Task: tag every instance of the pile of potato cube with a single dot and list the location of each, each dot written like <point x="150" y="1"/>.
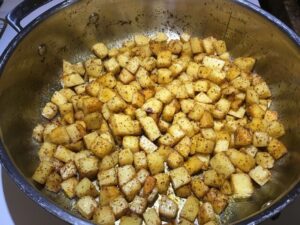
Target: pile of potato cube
<point x="156" y="121"/>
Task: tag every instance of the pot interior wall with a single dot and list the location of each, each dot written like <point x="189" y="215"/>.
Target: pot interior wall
<point x="31" y="74"/>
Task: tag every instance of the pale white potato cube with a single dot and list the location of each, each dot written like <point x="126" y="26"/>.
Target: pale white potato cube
<point x="179" y="177"/>
<point x="125" y="174"/>
<point x="151" y="129"/>
<point x="58" y="99"/>
<point x="100" y="50"/>
<point x="167" y="207"/>
<point x="260" y="139"/>
<point x="119" y="206"/>
<point x="141" y="40"/>
<point x="241" y="185"/>
<point x="140" y="160"/>
<point x="260" y="175"/>
<point x="147" y="145"/>
<point x="68" y="170"/>
<point x="138" y="205"/>
<point x="131" y="189"/>
<point x="142" y="174"/>
<point x="49" y="111"/>
<point x="213" y="63"/>
<point x="222" y="145"/>
<point x="86" y="206"/>
<point x="37" y="133"/>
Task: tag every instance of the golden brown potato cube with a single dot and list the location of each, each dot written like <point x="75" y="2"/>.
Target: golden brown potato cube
<point x="190" y="209"/>
<point x="181" y="92"/>
<point x="131" y="189"/>
<point x="143" y="78"/>
<point x="101" y="147"/>
<point x="164" y="151"/>
<point x="206" y="120"/>
<point x="179" y="177"/>
<point x="206" y="213"/>
<point x="138" y="99"/>
<point x="125" y="157"/>
<point x="245" y="64"/>
<point x="107" y="194"/>
<point x="44" y="169"/>
<point x="149" y="185"/>
<point x="176" y="131"/>
<point x="104" y="216"/>
<point x="162" y="182"/>
<point x="116" y="104"/>
<point x="68" y="170"/>
<point x="123" y="59"/>
<point x="251" y="96"/>
<point x="91" y="104"/>
<point x="147" y="145"/>
<point x="242" y="137"/>
<point x="131" y="220"/>
<point x="106" y="94"/>
<point x="142" y="174"/>
<point x="176" y="69"/>
<point x="89" y="139"/>
<point x="140" y="39"/>
<point x="175" y="46"/>
<point x="73" y="68"/>
<point x="199" y="188"/>
<point x="126" y="91"/>
<point x="94" y="67"/>
<point x="218" y="200"/>
<point x="262" y="90"/>
<point x="149" y="63"/>
<point x="169" y="112"/>
<point x="265" y="160"/>
<point x="131" y="142"/>
<point x="119" y="206"/>
<point x="204" y="72"/>
<point x="49" y="111"/>
<point x="167" y="139"/>
<point x="88" y="166"/>
<point x="164" y="95"/>
<point x="86" y="188"/>
<point x="213" y="63"/>
<point x="164" y="76"/>
<point x="58" y="135"/>
<point x="125" y="174"/>
<point x="276" y="149"/>
<point x="186" y="49"/>
<point x="213" y="179"/>
<point x="138" y="205"/>
<point x="193" y="165"/>
<point x="241" y="160"/>
<point x="69" y="186"/>
<point x="164" y="58"/>
<point x="255" y="111"/>
<point x="150" y="128"/>
<point x="108" y="177"/>
<point x="126" y="77"/>
<point x="151" y="217"/>
<point x="222" y="145"/>
<point x="71" y="80"/>
<point x="214" y="92"/>
<point x="222" y="164"/>
<point x="260" y="175"/>
<point x="58" y="98"/>
<point x="183" y="147"/>
<point x="155" y="163"/>
<point x="275" y="129"/>
<point x="192" y="70"/>
<point x="75" y="132"/>
<point x="53" y="182"/>
<point x="167" y="208"/>
<point x="175" y="160"/>
<point x="220" y="47"/>
<point x="123" y="125"/>
<point x="112" y="66"/>
<point x="196" y="45"/>
<point x="86" y="206"/>
<point x="241" y="185"/>
<point x="100" y="50"/>
<point x="187" y="105"/>
<point x="46" y="151"/>
<point x="93" y="121"/>
<point x="202" y="145"/>
<point x="201" y="86"/>
<point x="183" y="191"/>
<point x="197" y="112"/>
<point x="186" y="125"/>
<point x="260" y="139"/>
<point x="140" y="160"/>
<point x="63" y="154"/>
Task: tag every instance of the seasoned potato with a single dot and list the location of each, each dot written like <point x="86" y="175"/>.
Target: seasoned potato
<point x="222" y="165"/>
<point x="167" y="207"/>
<point x="162" y="182"/>
<point x="241" y="185"/>
<point x="85" y="188"/>
<point x="86" y="206"/>
<point x="276" y="148"/>
<point x="69" y="187"/>
<point x="53" y="182"/>
<point x="119" y="206"/>
<point x="151" y="217"/>
<point x="131" y="189"/>
<point x="179" y="177"/>
<point x="206" y="213"/>
<point x="190" y="209"/>
<point x="199" y="188"/>
<point x="131" y="220"/>
<point x="260" y="175"/>
<point x="241" y="160"/>
<point x="104" y="216"/>
<point x="107" y="194"/>
<point x="155" y="163"/>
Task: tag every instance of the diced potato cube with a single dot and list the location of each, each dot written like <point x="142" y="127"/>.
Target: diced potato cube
<point x="104" y="216"/>
<point x="143" y="78"/>
<point x="164" y="76"/>
<point x="206" y="120"/>
<point x="164" y="58"/>
<point x="89" y="139"/>
<point x="276" y="149"/>
<point x="147" y="145"/>
<point x="75" y="132"/>
<point x="71" y="80"/>
<point x="101" y="147"/>
<point x="119" y="206"/>
<point x="94" y="67"/>
<point x="260" y="175"/>
<point x="46" y="151"/>
<point x="179" y="177"/>
<point x="53" y="182"/>
<point x="251" y="96"/>
<point x="196" y="45"/>
<point x="86" y="188"/>
<point x="199" y="188"/>
<point x="93" y="121"/>
<point x="58" y="135"/>
<point x="190" y="209"/>
<point x="183" y="147"/>
<point x="241" y="160"/>
<point x="131" y="220"/>
<point x="206" y="213"/>
<point x="131" y="189"/>
<point x="37" y="133"/>
<point x="260" y="139"/>
<point x="123" y="125"/>
<point x="112" y="66"/>
<point x="186" y="125"/>
<point x="86" y="206"/>
<point x="49" y="111"/>
<point x="175" y="160"/>
<point x="213" y="63"/>
<point x="100" y="50"/>
<point x="131" y="142"/>
<point x="167" y="208"/>
<point x="241" y="185"/>
<point x="245" y="63"/>
<point x="193" y="165"/>
<point x="218" y="200"/>
<point x="116" y="104"/>
<point x="138" y="99"/>
<point x="163" y="182"/>
<point x="151" y="217"/>
<point x="125" y="157"/>
<point x="222" y="165"/>
<point x="69" y="186"/>
<point x="44" y="169"/>
<point x="150" y="128"/>
<point x="265" y="160"/>
<point x="68" y="170"/>
<point x="276" y="129"/>
<point x="63" y="154"/>
<point x="202" y="145"/>
<point x="107" y="162"/>
<point x="107" y="194"/>
<point x="213" y="179"/>
<point x="242" y="137"/>
<point x="142" y="174"/>
<point x="108" y="177"/>
<point x="220" y="47"/>
<point x="222" y="145"/>
<point x="164" y="95"/>
<point x="91" y="104"/>
<point x="141" y="39"/>
<point x="138" y="205"/>
<point x="155" y="163"/>
<point x="262" y="90"/>
<point x="125" y="174"/>
<point x="140" y="160"/>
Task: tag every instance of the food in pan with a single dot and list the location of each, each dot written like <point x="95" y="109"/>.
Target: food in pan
<point x="137" y="129"/>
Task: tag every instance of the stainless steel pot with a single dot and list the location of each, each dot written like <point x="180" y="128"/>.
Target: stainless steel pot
<point x="30" y="67"/>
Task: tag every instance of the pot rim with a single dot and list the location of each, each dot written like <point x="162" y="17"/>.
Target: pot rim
<point x="67" y="216"/>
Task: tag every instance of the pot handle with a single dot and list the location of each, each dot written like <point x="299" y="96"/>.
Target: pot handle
<point x="22" y="10"/>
